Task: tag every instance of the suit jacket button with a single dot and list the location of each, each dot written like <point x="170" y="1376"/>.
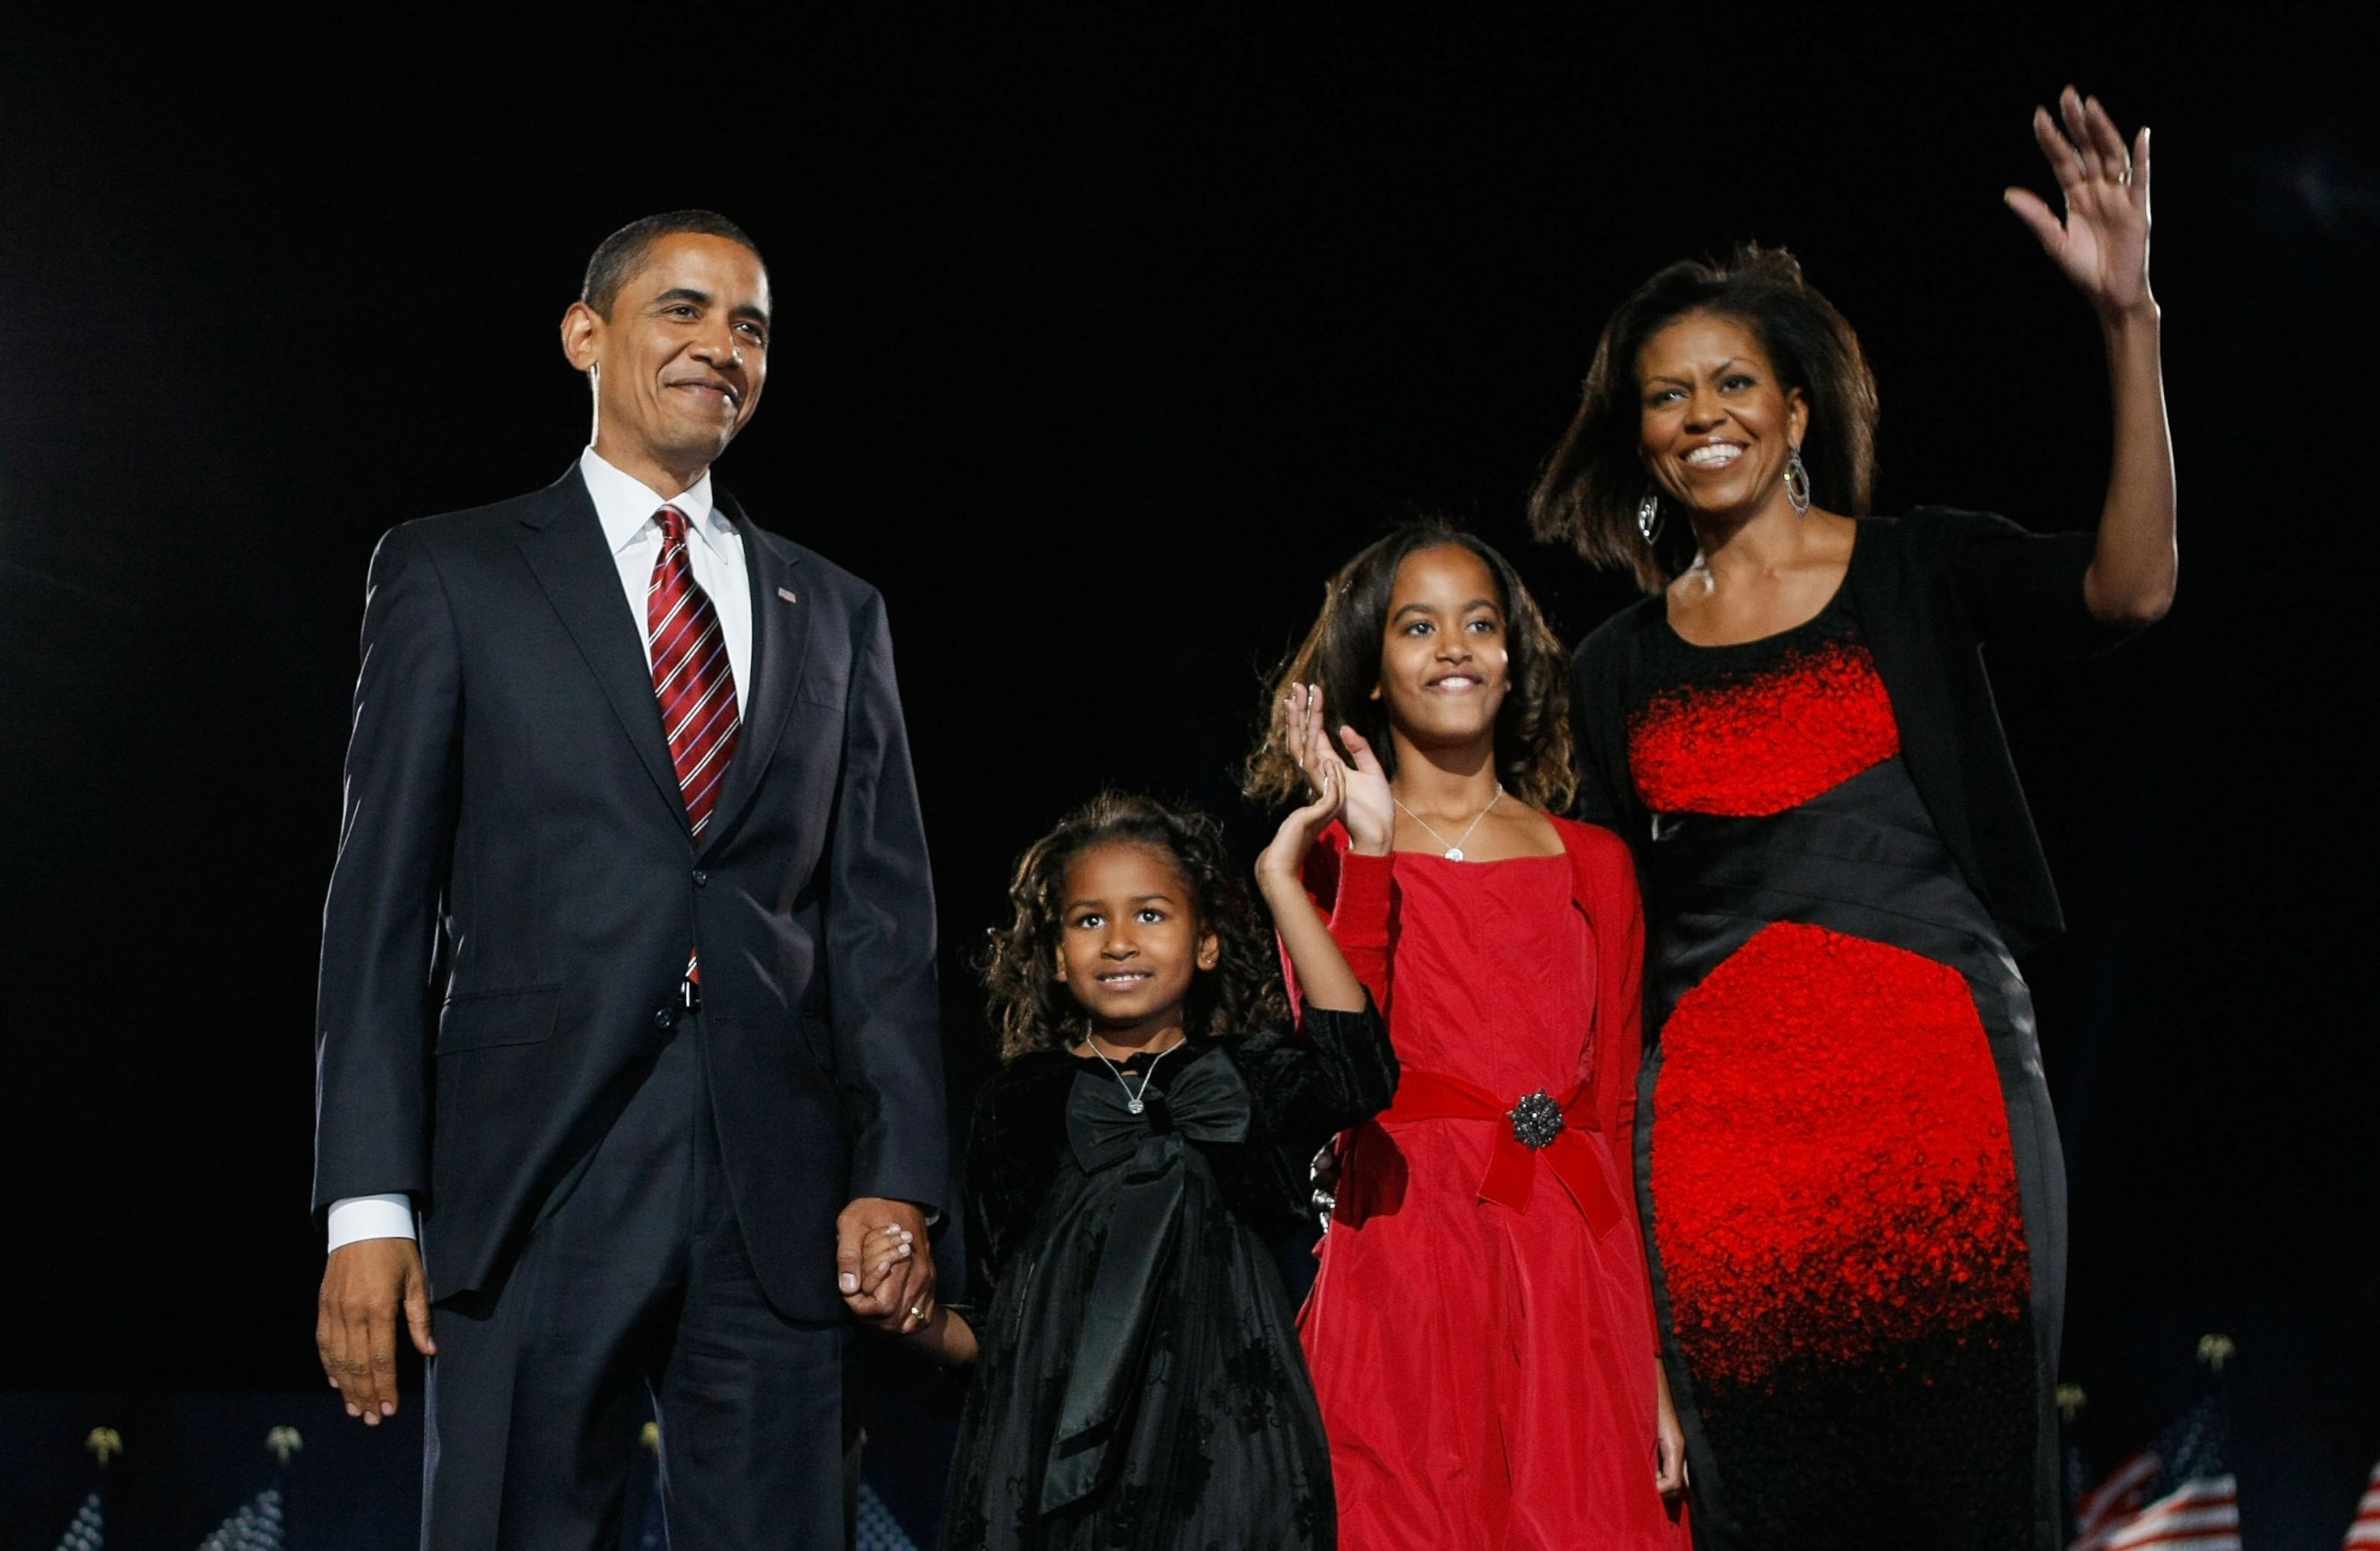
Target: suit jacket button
<point x="700" y="878"/>
<point x="665" y="1019"/>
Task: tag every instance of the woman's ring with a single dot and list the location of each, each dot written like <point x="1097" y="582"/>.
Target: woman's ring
<point x="917" y="1311"/>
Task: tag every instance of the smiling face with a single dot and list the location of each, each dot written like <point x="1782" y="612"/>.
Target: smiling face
<point x="1444" y="666"/>
<point x="679" y="364"/>
<point x="1129" y="941"/>
<point x="1716" y="427"/>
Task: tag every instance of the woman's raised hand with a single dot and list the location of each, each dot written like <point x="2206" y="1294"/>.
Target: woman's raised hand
<point x="1365" y="807"/>
<point x="2103" y="244"/>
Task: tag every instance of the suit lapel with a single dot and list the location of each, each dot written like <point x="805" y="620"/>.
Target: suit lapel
<point x="564" y="549"/>
<point x="780" y="641"/>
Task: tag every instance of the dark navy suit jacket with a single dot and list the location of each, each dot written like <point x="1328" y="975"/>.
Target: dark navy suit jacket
<point x="517" y="889"/>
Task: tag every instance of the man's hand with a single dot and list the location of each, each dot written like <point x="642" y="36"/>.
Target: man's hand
<point x="364" y="1285"/>
<point x="901" y="1298"/>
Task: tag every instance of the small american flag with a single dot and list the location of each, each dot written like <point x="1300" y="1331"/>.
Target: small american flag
<point x="2177" y="1494"/>
<point x="2365" y="1531"/>
<point x="255" y="1526"/>
<point x="89" y="1531"/>
<point x="879" y="1530"/>
<point x="2114" y="1500"/>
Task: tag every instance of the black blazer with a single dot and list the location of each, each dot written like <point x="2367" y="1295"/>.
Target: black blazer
<point x="518" y="888"/>
<point x="1931" y="590"/>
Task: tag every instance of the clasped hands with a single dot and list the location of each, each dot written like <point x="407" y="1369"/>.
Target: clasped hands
<point x="371" y="1285"/>
<point x="884" y="1265"/>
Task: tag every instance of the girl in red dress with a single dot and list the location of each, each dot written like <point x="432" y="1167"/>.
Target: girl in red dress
<point x="1480" y="1330"/>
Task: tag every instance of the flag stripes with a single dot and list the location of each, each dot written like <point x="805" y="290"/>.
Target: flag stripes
<point x="2108" y="1505"/>
<point x="2177" y="1494"/>
<point x="2365" y="1531"/>
<point x="2197" y="1516"/>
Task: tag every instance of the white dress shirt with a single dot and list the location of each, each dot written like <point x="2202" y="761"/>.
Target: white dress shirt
<point x="626" y="507"/>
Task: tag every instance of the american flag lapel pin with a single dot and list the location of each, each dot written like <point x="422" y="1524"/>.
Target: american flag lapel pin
<point x="787" y="594"/>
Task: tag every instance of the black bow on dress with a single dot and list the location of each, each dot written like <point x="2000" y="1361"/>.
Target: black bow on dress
<point x="1205" y="1102"/>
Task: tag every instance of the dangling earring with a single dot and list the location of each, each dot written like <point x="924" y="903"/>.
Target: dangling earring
<point x="1648" y="515"/>
<point x="1797" y="484"/>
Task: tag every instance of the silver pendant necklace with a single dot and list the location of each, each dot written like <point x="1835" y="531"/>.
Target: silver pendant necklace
<point x="1131" y="1096"/>
<point x="1453" y="849"/>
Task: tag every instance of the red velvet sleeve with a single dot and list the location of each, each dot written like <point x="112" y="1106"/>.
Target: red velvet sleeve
<point x="1619" y="986"/>
<point x="1617" y="913"/>
<point x="1351" y="893"/>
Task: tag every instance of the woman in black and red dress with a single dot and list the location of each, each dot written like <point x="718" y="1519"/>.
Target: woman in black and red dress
<point x="1849" y="1173"/>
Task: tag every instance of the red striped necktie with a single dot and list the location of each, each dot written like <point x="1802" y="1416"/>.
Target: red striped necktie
<point x="692" y="677"/>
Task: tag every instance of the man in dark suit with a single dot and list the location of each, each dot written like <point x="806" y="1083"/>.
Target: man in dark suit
<point x="626" y="998"/>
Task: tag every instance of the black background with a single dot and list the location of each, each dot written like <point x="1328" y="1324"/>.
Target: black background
<point x="1101" y="339"/>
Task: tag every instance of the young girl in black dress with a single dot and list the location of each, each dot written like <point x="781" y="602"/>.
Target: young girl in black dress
<point x="1137" y="1380"/>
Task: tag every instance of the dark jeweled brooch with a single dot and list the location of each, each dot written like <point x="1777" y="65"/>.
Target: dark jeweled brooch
<point x="1537" y="1120"/>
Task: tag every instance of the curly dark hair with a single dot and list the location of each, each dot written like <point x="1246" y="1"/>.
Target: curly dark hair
<point x="1341" y="653"/>
<point x="1033" y="1011"/>
<point x="1587" y="494"/>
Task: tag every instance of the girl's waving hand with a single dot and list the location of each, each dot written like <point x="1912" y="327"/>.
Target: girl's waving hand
<point x="1322" y="970"/>
<point x="1364" y="804"/>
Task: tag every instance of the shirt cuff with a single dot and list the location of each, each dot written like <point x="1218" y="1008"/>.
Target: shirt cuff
<point x="356" y="1218"/>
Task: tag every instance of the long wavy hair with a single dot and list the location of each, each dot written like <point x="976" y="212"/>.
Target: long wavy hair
<point x="1341" y="653"/>
<point x="1587" y="494"/>
<point x="1032" y="1009"/>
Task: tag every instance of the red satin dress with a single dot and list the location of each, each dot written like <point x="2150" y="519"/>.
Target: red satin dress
<point x="1480" y="1330"/>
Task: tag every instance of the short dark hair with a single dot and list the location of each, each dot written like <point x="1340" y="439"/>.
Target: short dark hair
<point x="1587" y="492"/>
<point x="1341" y="653"/>
<point x="618" y="257"/>
<point x="1029" y="1006"/>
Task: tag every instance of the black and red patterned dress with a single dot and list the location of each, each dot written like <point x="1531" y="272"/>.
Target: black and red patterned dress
<point x="1848" y="1170"/>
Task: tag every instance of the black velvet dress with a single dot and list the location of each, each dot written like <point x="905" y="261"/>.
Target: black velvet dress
<point x="1140" y="1384"/>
